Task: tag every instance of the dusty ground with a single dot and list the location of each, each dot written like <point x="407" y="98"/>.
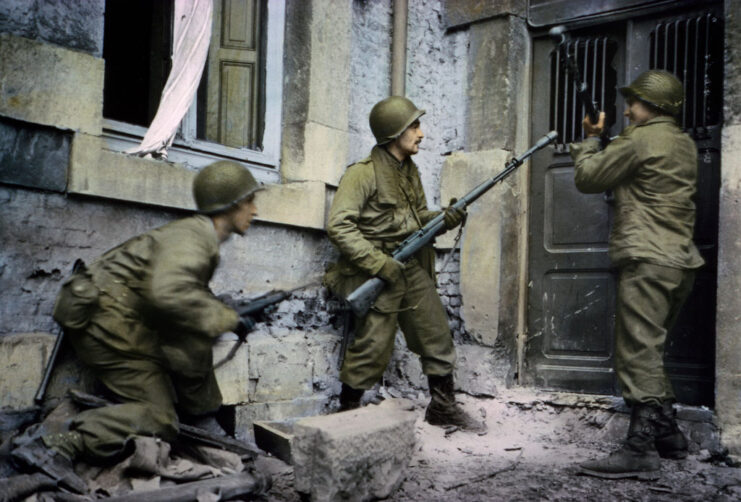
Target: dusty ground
<point x="530" y="454"/>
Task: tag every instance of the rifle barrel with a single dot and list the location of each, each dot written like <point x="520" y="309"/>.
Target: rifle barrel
<point x="362" y="298"/>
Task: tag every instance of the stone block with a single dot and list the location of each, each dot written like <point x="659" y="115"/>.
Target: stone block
<point x="233" y="376"/>
<point x="480" y="248"/>
<point x="462" y="12"/>
<point x="23" y="359"/>
<point x="300" y="204"/>
<point x="354" y="455"/>
<point x="34" y="156"/>
<point x="46" y="84"/>
<point x="102" y="173"/>
<point x="320" y="155"/>
<point x="475" y="370"/>
<point x="278" y="367"/>
<point x="246" y="415"/>
<point x="331" y="42"/>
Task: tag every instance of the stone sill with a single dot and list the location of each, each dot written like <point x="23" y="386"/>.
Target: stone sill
<point x="95" y="171"/>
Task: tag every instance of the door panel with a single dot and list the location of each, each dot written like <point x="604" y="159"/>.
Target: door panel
<point x="572" y="290"/>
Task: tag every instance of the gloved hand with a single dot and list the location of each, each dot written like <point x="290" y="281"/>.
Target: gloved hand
<point x="245" y="326"/>
<point x="453" y="216"/>
<point x="392" y="271"/>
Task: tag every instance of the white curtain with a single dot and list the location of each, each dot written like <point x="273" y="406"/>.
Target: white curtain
<point x="192" y="35"/>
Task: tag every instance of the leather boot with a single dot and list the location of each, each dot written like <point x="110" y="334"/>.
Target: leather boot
<point x="670" y="441"/>
<point x="36" y="456"/>
<point x="637" y="458"/>
<point x="444" y="411"/>
<point x="350" y="398"/>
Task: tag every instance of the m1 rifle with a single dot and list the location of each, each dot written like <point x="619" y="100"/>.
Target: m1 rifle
<point x="362" y="298"/>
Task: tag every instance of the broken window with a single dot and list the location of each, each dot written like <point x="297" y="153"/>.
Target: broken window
<point x="233" y="108"/>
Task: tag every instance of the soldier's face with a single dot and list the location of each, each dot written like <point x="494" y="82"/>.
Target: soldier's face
<point x="244" y="212"/>
<point x="410" y="139"/>
<point x="637" y="112"/>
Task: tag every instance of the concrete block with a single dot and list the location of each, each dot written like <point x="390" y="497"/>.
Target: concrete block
<point x="23" y="359"/>
<point x="279" y="368"/>
<point x="49" y="85"/>
<point x="354" y="455"/>
<point x="233" y="376"/>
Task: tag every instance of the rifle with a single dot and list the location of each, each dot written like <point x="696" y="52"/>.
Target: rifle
<point x="362" y="298"/>
<point x="561" y="38"/>
<point x="51" y="363"/>
<point x="256" y="306"/>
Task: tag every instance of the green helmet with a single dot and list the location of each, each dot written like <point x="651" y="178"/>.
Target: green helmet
<point x="222" y="184"/>
<point x="390" y="117"/>
<point x="657" y="88"/>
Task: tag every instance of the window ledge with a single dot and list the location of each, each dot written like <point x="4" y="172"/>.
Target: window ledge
<point x="99" y="172"/>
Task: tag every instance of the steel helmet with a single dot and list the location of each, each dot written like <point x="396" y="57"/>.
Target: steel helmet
<point x="657" y="88"/>
<point x="390" y="117"/>
<point x="222" y="184"/>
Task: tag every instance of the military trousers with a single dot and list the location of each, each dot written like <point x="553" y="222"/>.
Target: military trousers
<point x="649" y="300"/>
<point x="148" y="394"/>
<point x="414" y="305"/>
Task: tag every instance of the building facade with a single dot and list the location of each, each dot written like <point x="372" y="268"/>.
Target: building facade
<point x="286" y="90"/>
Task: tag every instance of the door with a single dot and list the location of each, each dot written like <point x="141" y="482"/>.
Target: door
<point x="572" y="285"/>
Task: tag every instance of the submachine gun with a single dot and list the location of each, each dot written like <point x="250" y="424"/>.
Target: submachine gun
<point x="255" y="308"/>
<point x="362" y="298"/>
<point x="561" y="38"/>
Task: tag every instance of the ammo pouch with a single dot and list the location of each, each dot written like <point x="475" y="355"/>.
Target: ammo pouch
<point x="77" y="299"/>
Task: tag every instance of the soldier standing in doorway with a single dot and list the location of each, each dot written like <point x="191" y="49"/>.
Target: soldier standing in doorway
<point x="148" y="329"/>
<point x="652" y="169"/>
<point x="379" y="202"/>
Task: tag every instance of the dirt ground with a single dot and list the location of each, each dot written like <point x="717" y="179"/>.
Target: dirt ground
<point x="531" y="452"/>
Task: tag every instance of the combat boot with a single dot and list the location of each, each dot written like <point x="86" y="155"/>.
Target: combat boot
<point x="670" y="441"/>
<point x="207" y="422"/>
<point x="41" y="457"/>
<point x="350" y="398"/>
<point x="444" y="411"/>
<point x="637" y="458"/>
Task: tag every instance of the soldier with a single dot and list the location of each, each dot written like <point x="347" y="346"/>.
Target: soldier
<point x="379" y="202"/>
<point x="149" y="329"/>
<point x="652" y="169"/>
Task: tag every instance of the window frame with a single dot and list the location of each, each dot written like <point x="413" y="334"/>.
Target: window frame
<point x="121" y="136"/>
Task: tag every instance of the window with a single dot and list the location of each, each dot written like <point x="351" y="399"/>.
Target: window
<point x="236" y="111"/>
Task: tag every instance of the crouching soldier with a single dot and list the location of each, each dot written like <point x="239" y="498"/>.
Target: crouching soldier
<point x="147" y="326"/>
<point x="652" y="169"/>
<point x="379" y="203"/>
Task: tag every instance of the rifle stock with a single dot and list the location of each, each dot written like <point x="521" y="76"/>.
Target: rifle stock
<point x="362" y="298"/>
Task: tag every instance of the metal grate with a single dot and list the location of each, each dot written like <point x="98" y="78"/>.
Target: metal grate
<point x="692" y="49"/>
<point x="593" y="56"/>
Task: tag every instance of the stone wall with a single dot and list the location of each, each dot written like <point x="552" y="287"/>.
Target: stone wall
<point x="728" y="344"/>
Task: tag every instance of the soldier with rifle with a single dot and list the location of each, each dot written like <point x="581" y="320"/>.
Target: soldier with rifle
<point x="143" y="319"/>
<point x="379" y="203"/>
<point x="651" y="167"/>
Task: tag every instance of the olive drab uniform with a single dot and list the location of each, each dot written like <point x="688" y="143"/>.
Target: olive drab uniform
<point x="150" y="338"/>
<point x="652" y="170"/>
<point x="380" y="202"/>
